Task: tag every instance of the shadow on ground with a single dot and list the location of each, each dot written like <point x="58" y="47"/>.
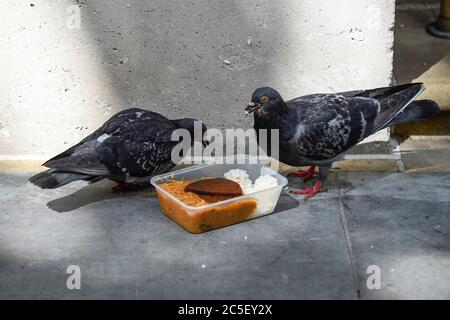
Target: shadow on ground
<point x="93" y="193"/>
<point x="415" y="51"/>
<point x="127" y="248"/>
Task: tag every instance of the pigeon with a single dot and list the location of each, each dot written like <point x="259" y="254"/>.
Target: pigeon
<point x="132" y="146"/>
<point x="317" y="129"/>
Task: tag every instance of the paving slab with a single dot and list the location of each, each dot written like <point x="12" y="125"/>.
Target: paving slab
<point x="126" y="248"/>
<point x="426" y="155"/>
<point x="400" y="223"/>
<point x="319" y="249"/>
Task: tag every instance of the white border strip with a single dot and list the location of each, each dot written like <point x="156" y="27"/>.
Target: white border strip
<point x="24" y="157"/>
<point x="371" y="157"/>
<point x="429" y="138"/>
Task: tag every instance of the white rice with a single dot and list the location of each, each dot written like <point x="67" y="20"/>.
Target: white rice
<point x="241" y="176"/>
<point x="264" y="182"/>
<point x="266" y="200"/>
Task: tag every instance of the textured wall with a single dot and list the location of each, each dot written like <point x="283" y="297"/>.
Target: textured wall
<point x="196" y="58"/>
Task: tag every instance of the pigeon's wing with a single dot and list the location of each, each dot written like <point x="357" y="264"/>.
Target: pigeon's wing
<point x="393" y="100"/>
<point x="141" y="149"/>
<point x="121" y="146"/>
<point x="110" y="127"/>
<point x="329" y="124"/>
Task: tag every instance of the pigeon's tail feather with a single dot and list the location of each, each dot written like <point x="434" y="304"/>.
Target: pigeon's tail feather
<point x="393" y="101"/>
<point x="83" y="164"/>
<point x="64" y="154"/>
<point x="384" y="92"/>
<point x="52" y="178"/>
<point x="416" y="110"/>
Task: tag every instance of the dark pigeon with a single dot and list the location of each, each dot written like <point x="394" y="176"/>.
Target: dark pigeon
<point x="317" y="129"/>
<point x="132" y="146"/>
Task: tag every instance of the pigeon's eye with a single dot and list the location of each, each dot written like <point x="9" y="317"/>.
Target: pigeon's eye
<point x="264" y="99"/>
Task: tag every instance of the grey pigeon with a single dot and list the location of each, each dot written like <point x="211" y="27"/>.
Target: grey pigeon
<point x="132" y="146"/>
<point x="317" y="129"/>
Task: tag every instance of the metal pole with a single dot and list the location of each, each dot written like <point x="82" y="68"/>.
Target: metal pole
<point x="441" y="27"/>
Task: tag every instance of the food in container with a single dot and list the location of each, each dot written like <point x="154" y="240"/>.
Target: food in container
<point x="197" y="213"/>
<point x="215" y="187"/>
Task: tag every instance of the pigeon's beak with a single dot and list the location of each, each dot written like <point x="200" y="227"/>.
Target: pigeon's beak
<point x="251" y="107"/>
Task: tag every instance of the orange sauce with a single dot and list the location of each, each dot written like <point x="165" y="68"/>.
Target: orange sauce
<point x="201" y="220"/>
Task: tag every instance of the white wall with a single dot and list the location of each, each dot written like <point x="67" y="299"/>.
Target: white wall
<point x="59" y="84"/>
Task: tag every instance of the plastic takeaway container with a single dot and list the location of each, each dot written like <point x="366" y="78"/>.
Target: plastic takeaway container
<point x="223" y="213"/>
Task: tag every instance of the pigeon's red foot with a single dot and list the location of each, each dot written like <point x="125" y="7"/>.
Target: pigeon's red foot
<point x="310" y="192"/>
<point x="306" y="174"/>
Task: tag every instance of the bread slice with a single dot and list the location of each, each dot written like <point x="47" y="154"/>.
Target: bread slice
<point x="215" y="187"/>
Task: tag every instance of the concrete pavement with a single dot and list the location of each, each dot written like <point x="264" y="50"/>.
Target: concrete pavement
<point x="126" y="248"/>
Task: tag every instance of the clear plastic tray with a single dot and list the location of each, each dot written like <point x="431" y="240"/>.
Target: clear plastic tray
<point x="223" y="213"/>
